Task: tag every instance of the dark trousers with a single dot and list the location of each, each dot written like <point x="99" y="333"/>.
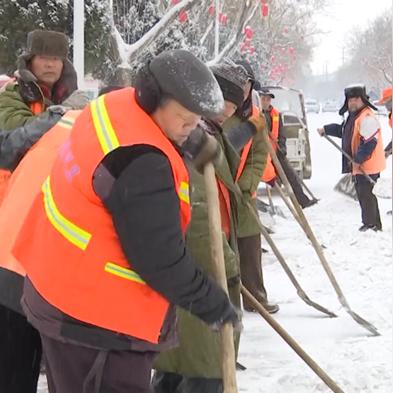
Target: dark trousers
<point x="368" y="201"/>
<point x="174" y="383"/>
<point x="20" y="353"/>
<point x="251" y="268"/>
<point x="293" y="180"/>
<point x="77" y="369"/>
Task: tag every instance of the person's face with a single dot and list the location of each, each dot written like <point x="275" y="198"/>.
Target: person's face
<point x="247" y="89"/>
<point x="266" y="101"/>
<point x="229" y="110"/>
<point x="47" y="69"/>
<point x="175" y="120"/>
<point x="354" y="104"/>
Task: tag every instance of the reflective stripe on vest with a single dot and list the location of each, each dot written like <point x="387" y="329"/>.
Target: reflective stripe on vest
<point x="25" y="184"/>
<point x="376" y="162"/>
<point x="105" y="132"/>
<point x="74" y="234"/>
<point x="76" y="249"/>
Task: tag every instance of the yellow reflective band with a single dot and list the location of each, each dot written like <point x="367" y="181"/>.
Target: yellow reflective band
<point x="66" y="122"/>
<point x="275" y="118"/>
<point x="123" y="272"/>
<point x="103" y="126"/>
<point x="77" y="236"/>
<point x="183" y="192"/>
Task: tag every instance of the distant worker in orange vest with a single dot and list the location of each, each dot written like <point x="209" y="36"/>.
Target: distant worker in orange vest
<point x="386" y="99"/>
<point x="362" y="140"/>
<point x="103" y="244"/>
<point x="278" y="141"/>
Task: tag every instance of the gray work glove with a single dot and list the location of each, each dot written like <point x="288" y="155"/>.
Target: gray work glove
<point x="201" y="148"/>
<point x="77" y="100"/>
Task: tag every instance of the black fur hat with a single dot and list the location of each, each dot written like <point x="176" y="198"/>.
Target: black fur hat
<point x="352" y="91"/>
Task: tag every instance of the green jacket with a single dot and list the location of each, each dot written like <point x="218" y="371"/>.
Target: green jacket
<point x="198" y="353"/>
<point x="14" y="112"/>
<point x="248" y="224"/>
<point x="15" y="97"/>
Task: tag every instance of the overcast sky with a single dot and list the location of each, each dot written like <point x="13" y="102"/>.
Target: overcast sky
<point x="340" y="17"/>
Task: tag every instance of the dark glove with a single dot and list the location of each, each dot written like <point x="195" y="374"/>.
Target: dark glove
<point x="231" y="315"/>
<point x="201" y="148"/>
<point x="272" y="182"/>
<point x="240" y="135"/>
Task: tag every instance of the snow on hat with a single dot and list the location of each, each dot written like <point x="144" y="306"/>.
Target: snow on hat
<point x="189" y="81"/>
<point x="47" y="43"/>
<point x="264" y="91"/>
<point x="232" y="78"/>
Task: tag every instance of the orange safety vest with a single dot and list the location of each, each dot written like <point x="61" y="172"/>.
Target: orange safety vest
<point x="270" y="172"/>
<point x="68" y="244"/>
<point x="376" y="163"/>
<point x="5" y="174"/>
<point x="246" y="149"/>
<point x="25" y="184"/>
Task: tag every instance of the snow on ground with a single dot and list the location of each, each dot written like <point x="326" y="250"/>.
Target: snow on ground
<point x="362" y="265"/>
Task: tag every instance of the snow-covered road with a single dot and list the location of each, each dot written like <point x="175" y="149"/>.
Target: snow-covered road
<point x="362" y="264"/>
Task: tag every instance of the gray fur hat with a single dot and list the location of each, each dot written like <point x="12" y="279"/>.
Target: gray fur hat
<point x="47" y="43"/>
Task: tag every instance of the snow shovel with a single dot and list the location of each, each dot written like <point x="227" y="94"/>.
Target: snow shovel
<point x="274" y="209"/>
<point x="317" y="247"/>
<point x="346" y="186"/>
<point x="228" y="358"/>
<point x="291" y="342"/>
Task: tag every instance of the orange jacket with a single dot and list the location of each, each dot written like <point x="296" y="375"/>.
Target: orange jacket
<point x="376" y="163"/>
<point x="75" y="261"/>
<point x="25" y="184"/>
<point x="270" y="171"/>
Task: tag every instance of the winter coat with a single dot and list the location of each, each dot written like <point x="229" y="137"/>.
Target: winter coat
<point x="18" y="96"/>
<point x="248" y="223"/>
<point x="15" y="143"/>
<point x="198" y="354"/>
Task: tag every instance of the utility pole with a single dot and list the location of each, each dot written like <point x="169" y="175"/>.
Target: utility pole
<point x="79" y="41"/>
<point x="217" y="29"/>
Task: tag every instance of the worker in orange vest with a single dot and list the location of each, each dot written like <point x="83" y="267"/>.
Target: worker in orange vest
<point x="362" y="140"/>
<point x="20" y="343"/>
<point x="386" y="99"/>
<point x="103" y="243"/>
<point x="278" y="141"/>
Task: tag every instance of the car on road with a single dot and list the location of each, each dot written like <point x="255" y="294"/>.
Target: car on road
<point x="311" y="105"/>
<point x="331" y="106"/>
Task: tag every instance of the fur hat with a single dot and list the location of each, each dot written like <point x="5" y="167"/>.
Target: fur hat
<point x="47" y="43"/>
<point x="352" y="91"/>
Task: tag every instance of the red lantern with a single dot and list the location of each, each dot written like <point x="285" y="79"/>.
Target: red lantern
<point x="248" y="32"/>
<point x="263" y="1"/>
<point x="273" y="59"/>
<point x="265" y="10"/>
<point x="183" y="16"/>
<point x="285" y="30"/>
<point x="251" y="50"/>
<point x="243" y="47"/>
<point x="211" y="10"/>
<point x="223" y="18"/>
<point x="291" y="50"/>
<point x="247" y="43"/>
<point x="174" y="2"/>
